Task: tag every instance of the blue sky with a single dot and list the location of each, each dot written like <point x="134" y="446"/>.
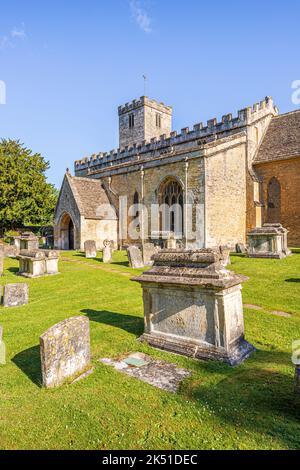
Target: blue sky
<point x="68" y="65"/>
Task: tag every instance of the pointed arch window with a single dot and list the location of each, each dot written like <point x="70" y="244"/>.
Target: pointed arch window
<point x="171" y="202"/>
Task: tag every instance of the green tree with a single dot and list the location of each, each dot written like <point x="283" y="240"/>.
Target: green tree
<point x="26" y="198"/>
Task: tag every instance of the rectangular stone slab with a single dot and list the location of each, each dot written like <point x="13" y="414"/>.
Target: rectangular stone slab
<point x="90" y="249"/>
<point x="135" y="257"/>
<point x="65" y="351"/>
<point x="15" y="295"/>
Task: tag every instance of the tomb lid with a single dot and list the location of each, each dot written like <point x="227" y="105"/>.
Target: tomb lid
<point x="268" y="229"/>
<point x="33" y="254"/>
<point x="185" y="267"/>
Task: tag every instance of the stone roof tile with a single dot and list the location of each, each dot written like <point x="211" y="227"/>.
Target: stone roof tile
<point x="89" y="195"/>
<point x="282" y="139"/>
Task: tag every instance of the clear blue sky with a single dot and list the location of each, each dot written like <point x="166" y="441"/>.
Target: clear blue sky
<point x="67" y="65"/>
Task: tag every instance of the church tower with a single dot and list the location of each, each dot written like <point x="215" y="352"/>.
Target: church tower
<point x="142" y="120"/>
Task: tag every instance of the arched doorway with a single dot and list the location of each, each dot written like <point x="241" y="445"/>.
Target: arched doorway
<point x="171" y="207"/>
<point x="274" y="201"/>
<point x="66" y="233"/>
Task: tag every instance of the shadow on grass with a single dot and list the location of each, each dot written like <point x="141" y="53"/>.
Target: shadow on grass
<point x="256" y="397"/>
<point x="121" y="263"/>
<point x="29" y="363"/>
<point x="295" y="280"/>
<point x="13" y="270"/>
<point x="129" y="323"/>
<point x="82" y="255"/>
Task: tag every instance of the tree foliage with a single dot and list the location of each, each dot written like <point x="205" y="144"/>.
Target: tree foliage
<point x="26" y="198"/>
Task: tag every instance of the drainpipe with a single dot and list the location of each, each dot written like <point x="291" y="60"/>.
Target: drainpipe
<point x="110" y="188"/>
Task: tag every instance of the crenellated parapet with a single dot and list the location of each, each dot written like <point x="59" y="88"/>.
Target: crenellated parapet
<point x="144" y="101"/>
<point x="200" y="133"/>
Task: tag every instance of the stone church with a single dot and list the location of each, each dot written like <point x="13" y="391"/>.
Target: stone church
<point x="227" y="177"/>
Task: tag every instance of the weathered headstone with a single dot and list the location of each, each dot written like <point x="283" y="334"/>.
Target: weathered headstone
<point x="90" y="249"/>
<point x="225" y="253"/>
<point x="65" y="351"/>
<point x="193" y="306"/>
<point x="149" y="250"/>
<point x="15" y="295"/>
<point x="2" y="348"/>
<point x="240" y="248"/>
<point x="1" y="259"/>
<point x="107" y="251"/>
<point x="135" y="257"/>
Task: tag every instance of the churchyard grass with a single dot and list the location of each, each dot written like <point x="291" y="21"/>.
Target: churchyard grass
<point x="252" y="406"/>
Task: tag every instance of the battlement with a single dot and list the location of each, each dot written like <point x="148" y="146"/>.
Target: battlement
<point x="168" y="143"/>
<point x="144" y="101"/>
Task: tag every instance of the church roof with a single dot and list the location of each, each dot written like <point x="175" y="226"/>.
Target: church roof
<point x="90" y="196"/>
<point x="282" y="139"/>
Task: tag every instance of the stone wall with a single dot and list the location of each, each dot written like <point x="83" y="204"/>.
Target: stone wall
<point x="225" y="194"/>
<point x="99" y="230"/>
<point x="287" y="173"/>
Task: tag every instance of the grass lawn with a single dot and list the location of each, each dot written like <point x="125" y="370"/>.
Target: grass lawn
<point x="252" y="406"/>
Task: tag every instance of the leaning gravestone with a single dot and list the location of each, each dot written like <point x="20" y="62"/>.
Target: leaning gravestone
<point x="15" y="295"/>
<point x="65" y="351"/>
<point x="90" y="249"/>
<point x="240" y="248"/>
<point x="107" y="251"/>
<point x="135" y="257"/>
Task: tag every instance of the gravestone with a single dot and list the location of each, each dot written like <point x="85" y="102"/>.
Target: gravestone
<point x="65" y="351"/>
<point x="225" y="253"/>
<point x="193" y="306"/>
<point x="2" y="348"/>
<point x="240" y="248"/>
<point x="90" y="249"/>
<point x="107" y="251"/>
<point x="1" y="259"/>
<point x="15" y="295"/>
<point x="135" y="257"/>
<point x="149" y="250"/>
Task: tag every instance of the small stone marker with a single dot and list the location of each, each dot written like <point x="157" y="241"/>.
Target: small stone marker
<point x="15" y="295"/>
<point x="65" y="351"/>
<point x="2" y="348"/>
<point x="107" y="251"/>
<point x="90" y="249"/>
<point x="135" y="257"/>
<point x="160" y="374"/>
